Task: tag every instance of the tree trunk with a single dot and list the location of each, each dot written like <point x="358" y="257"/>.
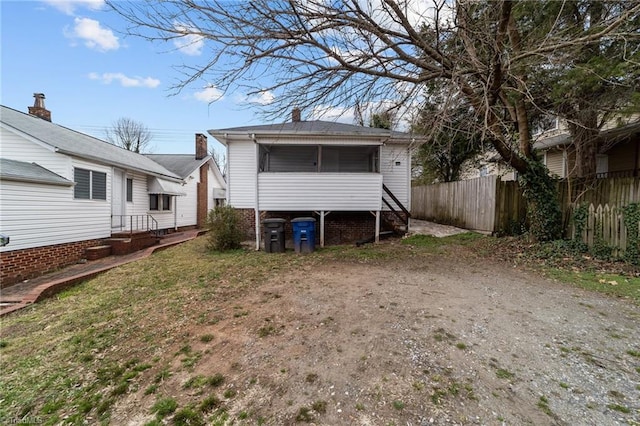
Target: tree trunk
<point x="585" y="132"/>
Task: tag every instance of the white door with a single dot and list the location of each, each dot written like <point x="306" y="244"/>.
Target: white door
<point x="117" y="200"/>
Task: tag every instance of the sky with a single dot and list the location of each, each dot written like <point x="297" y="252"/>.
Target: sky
<point x="75" y="52"/>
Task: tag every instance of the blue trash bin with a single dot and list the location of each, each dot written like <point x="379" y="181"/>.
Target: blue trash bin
<point x="304" y="234"/>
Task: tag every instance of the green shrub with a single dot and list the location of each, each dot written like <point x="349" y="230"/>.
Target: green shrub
<point x="224" y="229"/>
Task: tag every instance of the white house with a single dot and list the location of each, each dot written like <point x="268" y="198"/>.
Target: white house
<point x="204" y="186"/>
<point x="335" y="172"/>
<point x="62" y="192"/>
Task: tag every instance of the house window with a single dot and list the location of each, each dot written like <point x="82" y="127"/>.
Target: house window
<point x="130" y="190"/>
<point x="160" y="202"/>
<point x="90" y="185"/>
<point x="319" y="158"/>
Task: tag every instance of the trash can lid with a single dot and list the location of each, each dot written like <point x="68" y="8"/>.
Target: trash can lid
<point x="303" y="219"/>
<point x="274" y="220"/>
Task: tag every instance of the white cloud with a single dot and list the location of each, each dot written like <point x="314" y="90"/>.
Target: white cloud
<point x="189" y="43"/>
<point x="108" y="78"/>
<point x="332" y="113"/>
<point x="263" y="98"/>
<point x="209" y="94"/>
<point x="69" y="6"/>
<point x="93" y="35"/>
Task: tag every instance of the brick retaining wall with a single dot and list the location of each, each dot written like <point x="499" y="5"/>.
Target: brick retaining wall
<point x="19" y="265"/>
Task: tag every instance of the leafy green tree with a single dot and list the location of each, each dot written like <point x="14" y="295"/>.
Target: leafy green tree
<point x="588" y="84"/>
<point x="449" y="146"/>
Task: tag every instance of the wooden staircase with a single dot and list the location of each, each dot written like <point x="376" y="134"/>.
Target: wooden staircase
<point x="400" y="222"/>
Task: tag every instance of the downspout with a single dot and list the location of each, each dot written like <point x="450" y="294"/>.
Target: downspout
<point x="257" y="198"/>
<point x="409" y="188"/>
<point x="175" y="212"/>
<point x="227" y="178"/>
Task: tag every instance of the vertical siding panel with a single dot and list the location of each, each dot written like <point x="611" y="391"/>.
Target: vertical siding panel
<point x="242" y="164"/>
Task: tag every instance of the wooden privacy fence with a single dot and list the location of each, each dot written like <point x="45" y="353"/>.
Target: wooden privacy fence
<point x="484" y="204"/>
<point x="491" y="205"/>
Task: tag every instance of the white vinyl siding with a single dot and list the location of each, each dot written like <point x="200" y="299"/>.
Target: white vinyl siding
<point x="243" y="167"/>
<point x="395" y="169"/>
<point x="15" y="147"/>
<point x="346" y="190"/>
<point x="36" y="215"/>
<point x="187" y="205"/>
<point x="320" y="191"/>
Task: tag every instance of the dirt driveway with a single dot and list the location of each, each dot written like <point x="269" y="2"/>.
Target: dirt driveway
<point x="430" y="339"/>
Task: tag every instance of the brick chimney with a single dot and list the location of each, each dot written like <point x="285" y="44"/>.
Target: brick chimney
<point x="295" y="115"/>
<point x="201" y="146"/>
<point x="203" y="185"/>
<point x="38" y="108"/>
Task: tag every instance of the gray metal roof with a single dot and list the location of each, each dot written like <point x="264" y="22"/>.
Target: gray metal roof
<point x="181" y="164"/>
<point x="78" y="144"/>
<point x="319" y="128"/>
<point x="29" y="172"/>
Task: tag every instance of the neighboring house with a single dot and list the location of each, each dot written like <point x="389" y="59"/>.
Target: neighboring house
<point x="618" y="152"/>
<point x="204" y="184"/>
<point x="334" y="172"/>
<point x="489" y="163"/>
<point x="63" y="192"/>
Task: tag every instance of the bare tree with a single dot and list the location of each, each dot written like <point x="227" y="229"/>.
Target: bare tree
<point x="220" y="157"/>
<point x="129" y="134"/>
<point x="313" y="53"/>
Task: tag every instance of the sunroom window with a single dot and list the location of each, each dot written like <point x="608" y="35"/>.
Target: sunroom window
<point x="319" y="158"/>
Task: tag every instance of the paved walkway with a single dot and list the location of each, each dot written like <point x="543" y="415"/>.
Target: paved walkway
<point x="30" y="291"/>
<point x="418" y="226"/>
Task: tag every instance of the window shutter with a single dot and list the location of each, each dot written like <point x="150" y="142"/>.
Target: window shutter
<point x="82" y="179"/>
<point x="99" y="186"/>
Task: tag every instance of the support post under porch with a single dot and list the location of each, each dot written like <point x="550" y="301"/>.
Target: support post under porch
<point x="322" y="214"/>
<point x="257" y="215"/>
<point x="377" y="215"/>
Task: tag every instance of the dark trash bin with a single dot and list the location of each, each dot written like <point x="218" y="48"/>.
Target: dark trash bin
<point x="304" y="234"/>
<point x="273" y="235"/>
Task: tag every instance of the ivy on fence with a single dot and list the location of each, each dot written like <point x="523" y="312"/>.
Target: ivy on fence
<point x="607" y="232"/>
<point x="632" y="222"/>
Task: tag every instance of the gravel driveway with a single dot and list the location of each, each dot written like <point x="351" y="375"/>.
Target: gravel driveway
<point x="441" y="338"/>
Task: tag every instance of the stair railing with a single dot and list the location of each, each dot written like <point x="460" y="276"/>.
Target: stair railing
<point x="134" y="222"/>
<point x="407" y="215"/>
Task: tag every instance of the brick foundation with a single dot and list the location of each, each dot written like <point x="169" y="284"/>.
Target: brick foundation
<point x="339" y="227"/>
<point x="20" y="265"/>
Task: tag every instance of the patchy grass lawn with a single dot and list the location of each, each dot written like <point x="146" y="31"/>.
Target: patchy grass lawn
<point x="74" y="357"/>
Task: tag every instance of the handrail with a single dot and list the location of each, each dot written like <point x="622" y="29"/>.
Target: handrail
<point x="136" y="222"/>
<point x="393" y="197"/>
